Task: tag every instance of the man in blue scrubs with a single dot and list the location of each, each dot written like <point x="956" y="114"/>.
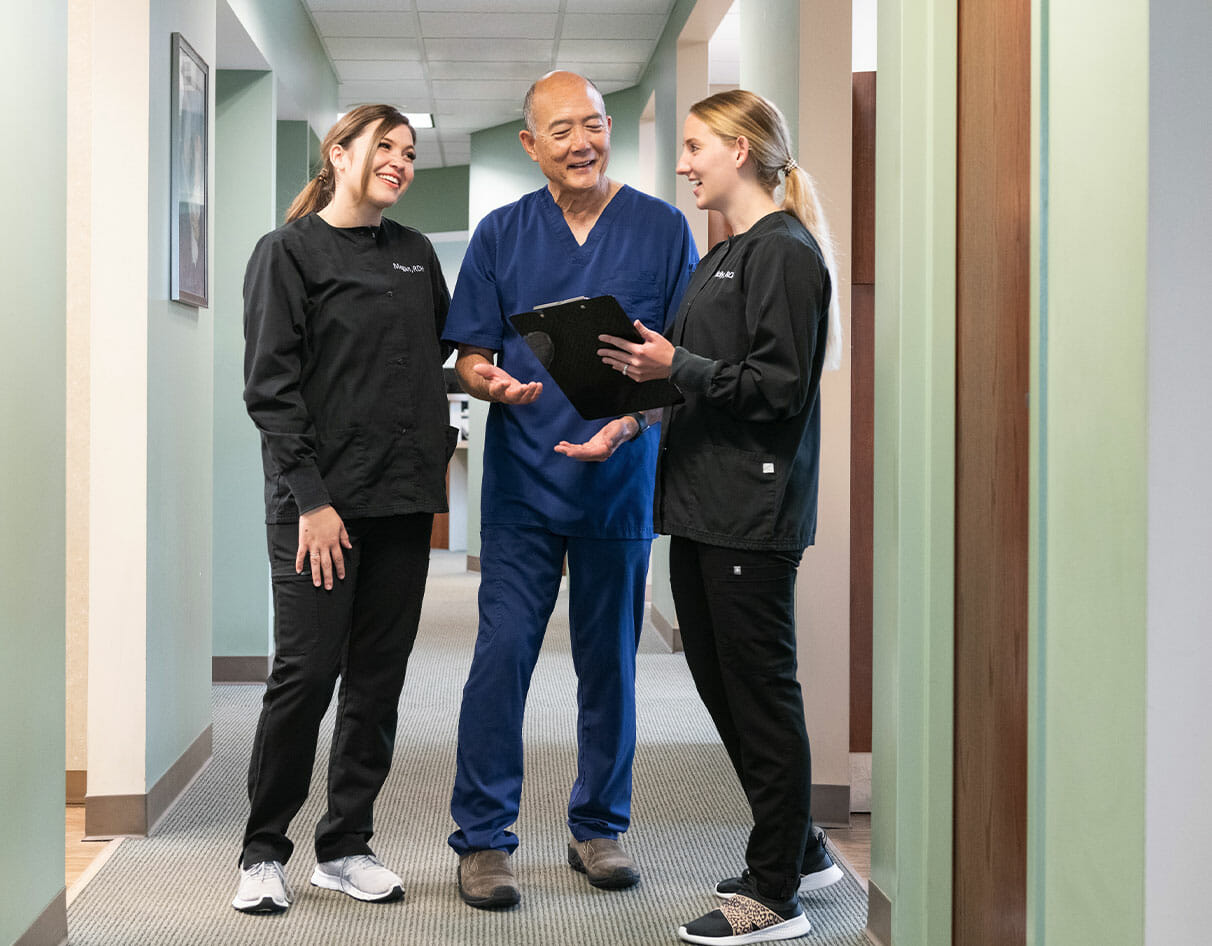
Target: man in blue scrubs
<point x="581" y="235"/>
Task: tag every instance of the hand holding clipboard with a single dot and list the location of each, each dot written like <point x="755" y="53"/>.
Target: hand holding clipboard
<point x="564" y="337"/>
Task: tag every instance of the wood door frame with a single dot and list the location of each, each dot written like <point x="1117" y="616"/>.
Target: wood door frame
<point x="993" y="307"/>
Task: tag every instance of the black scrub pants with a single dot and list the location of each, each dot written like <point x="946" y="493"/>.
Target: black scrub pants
<point x="736" y="613"/>
<point x="362" y="631"/>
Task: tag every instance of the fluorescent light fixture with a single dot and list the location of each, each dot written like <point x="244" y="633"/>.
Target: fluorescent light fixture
<point x="416" y="119"/>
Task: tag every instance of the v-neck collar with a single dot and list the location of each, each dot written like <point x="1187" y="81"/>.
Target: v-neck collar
<point x="561" y="225"/>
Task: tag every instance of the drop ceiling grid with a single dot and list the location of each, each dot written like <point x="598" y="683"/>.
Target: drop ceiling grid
<point x="469" y="62"/>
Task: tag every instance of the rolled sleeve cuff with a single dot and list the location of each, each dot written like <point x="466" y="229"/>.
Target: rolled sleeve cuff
<point x="307" y="487"/>
<point x="691" y="372"/>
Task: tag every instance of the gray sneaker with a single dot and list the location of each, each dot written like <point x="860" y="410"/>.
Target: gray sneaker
<point x="604" y="862"/>
<point x="486" y="880"/>
<point x="262" y="889"/>
<point x="361" y="876"/>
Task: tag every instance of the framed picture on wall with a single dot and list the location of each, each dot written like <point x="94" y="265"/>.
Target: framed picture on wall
<point x="189" y="199"/>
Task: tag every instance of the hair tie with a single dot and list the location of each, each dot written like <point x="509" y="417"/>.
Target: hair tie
<point x="790" y="166"/>
<point x="324" y="175"/>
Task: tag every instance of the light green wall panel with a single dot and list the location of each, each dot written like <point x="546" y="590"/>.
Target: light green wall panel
<point x="773" y="26"/>
<point x="436" y="200"/>
<point x="33" y="94"/>
<point x="1087" y="748"/>
<point x="914" y="469"/>
<point x="293" y="161"/>
<point x="284" y="34"/>
<point x="180" y="340"/>
<point x="660" y="81"/>
<point x="245" y="141"/>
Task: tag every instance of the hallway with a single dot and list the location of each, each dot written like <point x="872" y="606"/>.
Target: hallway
<point x="690" y="820"/>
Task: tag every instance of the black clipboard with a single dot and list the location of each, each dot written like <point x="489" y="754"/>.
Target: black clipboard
<point x="564" y="337"/>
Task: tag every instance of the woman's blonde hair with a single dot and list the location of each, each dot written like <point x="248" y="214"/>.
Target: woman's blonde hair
<point x="318" y="192"/>
<point x="738" y="113"/>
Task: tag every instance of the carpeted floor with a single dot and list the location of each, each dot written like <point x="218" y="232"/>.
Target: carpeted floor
<point x="689" y="823"/>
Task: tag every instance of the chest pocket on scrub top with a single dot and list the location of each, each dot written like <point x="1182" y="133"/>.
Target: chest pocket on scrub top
<point x="639" y="295"/>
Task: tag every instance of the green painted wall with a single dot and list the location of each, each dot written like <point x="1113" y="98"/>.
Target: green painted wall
<point x="180" y="342"/>
<point x="246" y="135"/>
<point x="293" y="161"/>
<point x="660" y="80"/>
<point x="914" y="468"/>
<point x="33" y="94"/>
<point x="436" y="200"/>
<point x="284" y="34"/>
<point x="773" y="26"/>
<point x="1087" y="747"/>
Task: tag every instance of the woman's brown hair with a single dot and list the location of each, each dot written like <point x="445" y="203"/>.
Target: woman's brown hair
<point x="739" y="113"/>
<point x="318" y="192"/>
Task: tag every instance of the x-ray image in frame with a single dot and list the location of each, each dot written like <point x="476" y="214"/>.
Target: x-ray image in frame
<point x="189" y="201"/>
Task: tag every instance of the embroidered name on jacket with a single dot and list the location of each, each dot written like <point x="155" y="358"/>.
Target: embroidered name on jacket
<point x="417" y="268"/>
<point x="723" y="274"/>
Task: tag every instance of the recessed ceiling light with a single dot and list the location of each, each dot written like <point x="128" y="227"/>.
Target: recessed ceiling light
<point x="420" y="119"/>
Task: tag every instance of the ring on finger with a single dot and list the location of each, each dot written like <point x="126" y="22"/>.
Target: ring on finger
<point x="625" y="367"/>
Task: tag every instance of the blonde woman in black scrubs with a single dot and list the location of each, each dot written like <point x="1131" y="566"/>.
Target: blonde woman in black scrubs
<point x="737" y="486"/>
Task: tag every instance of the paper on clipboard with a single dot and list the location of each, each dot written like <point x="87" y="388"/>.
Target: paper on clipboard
<point x="564" y="337"/>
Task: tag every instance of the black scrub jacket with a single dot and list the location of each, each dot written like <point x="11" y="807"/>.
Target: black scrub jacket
<point x="739" y="459"/>
<point x="343" y="369"/>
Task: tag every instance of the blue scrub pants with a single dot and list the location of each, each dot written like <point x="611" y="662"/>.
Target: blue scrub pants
<point x="520" y="571"/>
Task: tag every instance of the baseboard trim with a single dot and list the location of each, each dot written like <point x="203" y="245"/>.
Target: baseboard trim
<point x="668" y="633"/>
<point x="50" y="929"/>
<point x="75" y="784"/>
<point x="831" y="805"/>
<point x="239" y="669"/>
<point x="112" y="816"/>
<point x="473" y="563"/>
<point x="879" y="915"/>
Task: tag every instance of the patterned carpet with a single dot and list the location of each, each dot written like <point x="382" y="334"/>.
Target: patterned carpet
<point x="689" y="823"/>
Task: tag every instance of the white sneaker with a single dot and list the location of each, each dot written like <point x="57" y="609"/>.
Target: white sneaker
<point x="359" y="875"/>
<point x="262" y="889"/>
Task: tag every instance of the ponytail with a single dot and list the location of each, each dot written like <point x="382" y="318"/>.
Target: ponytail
<point x="801" y="199"/>
<point x="316" y="194"/>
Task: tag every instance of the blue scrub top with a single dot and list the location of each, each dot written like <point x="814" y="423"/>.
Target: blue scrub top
<point x="522" y="255"/>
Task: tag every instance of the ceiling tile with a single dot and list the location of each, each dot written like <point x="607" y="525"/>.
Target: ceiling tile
<point x="534" y="51"/>
<point x="601" y="72"/>
<point x="365" y="24"/>
<point x="446" y="89"/>
<point x="488" y="6"/>
<point x="656" y="7"/>
<point x="502" y="26"/>
<point x="464" y="69"/>
<point x="612" y="26"/>
<point x="616" y="50"/>
<point x="349" y="70"/>
<point x="372" y="47"/>
<point x="396" y="6"/>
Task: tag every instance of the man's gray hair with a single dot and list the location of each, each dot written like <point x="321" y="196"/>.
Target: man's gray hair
<point x="528" y="101"/>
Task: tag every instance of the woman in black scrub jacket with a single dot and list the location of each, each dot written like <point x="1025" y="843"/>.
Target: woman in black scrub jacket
<point x="737" y="486"/>
<point x="343" y="316"/>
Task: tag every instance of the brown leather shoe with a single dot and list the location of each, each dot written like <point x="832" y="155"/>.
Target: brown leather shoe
<point x="604" y="862"/>
<point x="486" y="880"/>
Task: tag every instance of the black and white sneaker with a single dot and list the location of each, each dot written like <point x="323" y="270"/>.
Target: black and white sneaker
<point x="262" y="889"/>
<point x="748" y="918"/>
<point x="818" y="872"/>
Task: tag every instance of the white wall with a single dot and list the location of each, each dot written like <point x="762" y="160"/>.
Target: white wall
<point x="1179" y="728"/>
